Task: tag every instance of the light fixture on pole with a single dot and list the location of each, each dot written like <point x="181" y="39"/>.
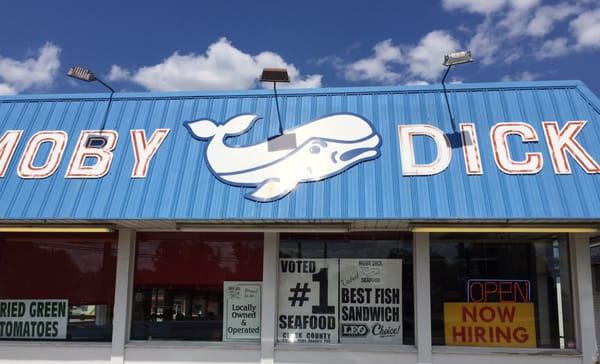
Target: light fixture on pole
<point x="84" y="74"/>
<point x="452" y="59"/>
<point x="455" y="58"/>
<point x="281" y="141"/>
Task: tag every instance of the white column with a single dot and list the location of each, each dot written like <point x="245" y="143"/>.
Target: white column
<point x="422" y="297"/>
<point x="269" y="298"/>
<point x="583" y="292"/>
<point x="123" y="293"/>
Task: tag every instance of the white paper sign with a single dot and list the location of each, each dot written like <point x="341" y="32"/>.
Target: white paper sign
<point x="34" y="319"/>
<point x="308" y="301"/>
<point x="371" y="301"/>
<point x="241" y="310"/>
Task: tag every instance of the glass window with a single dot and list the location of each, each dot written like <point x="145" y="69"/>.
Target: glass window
<point x="502" y="290"/>
<point x="57" y="286"/>
<point x="179" y="285"/>
<point x="346" y="288"/>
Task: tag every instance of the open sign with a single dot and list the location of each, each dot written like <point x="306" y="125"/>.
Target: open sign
<point x="498" y="290"/>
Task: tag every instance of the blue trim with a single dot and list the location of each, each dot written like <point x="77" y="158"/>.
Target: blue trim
<point x="589" y="96"/>
<point x="294" y="92"/>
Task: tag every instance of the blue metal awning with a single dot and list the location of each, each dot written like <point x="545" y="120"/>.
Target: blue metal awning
<point x="180" y="186"/>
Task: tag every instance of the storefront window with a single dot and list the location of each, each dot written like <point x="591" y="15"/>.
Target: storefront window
<point x="197" y="286"/>
<point x="501" y="290"/>
<point x="348" y="288"/>
<point x="57" y="286"/>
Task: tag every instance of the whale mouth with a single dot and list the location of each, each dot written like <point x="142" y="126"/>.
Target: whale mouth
<point x="368" y="149"/>
<point x="351" y="154"/>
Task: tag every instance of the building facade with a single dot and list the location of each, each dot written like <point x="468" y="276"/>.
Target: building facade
<point x="382" y="225"/>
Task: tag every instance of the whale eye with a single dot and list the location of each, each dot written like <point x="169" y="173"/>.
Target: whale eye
<point x="314" y="149"/>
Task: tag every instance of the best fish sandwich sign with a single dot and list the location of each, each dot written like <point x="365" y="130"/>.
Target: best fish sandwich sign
<point x="325" y="148"/>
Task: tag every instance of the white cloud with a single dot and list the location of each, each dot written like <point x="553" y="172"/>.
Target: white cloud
<point x="474" y="6"/>
<point x="516" y="29"/>
<point x="311" y="81"/>
<point x="546" y="16"/>
<point x="523" y="76"/>
<point x="484" y="45"/>
<point x="270" y="59"/>
<point x="389" y="64"/>
<point x="6" y="89"/>
<point x="416" y="83"/>
<point x="377" y="67"/>
<point x="553" y="48"/>
<point x="426" y="58"/>
<point x="118" y="73"/>
<point x="487" y="6"/>
<point x="586" y="29"/>
<point x="513" y="22"/>
<point x="222" y="67"/>
<point x="30" y="73"/>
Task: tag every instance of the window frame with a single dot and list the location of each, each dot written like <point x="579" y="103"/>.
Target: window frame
<point x="571" y="260"/>
<point x="361" y="347"/>
<point x="129" y="341"/>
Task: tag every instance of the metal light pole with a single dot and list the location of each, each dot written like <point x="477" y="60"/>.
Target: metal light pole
<point x="281" y="141"/>
<point x="84" y="74"/>
<point x="450" y="60"/>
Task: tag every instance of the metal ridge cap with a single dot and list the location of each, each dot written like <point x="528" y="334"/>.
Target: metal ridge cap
<point x="296" y="92"/>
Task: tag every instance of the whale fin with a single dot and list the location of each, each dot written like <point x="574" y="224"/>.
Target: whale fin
<point x="272" y="189"/>
<point x="202" y="129"/>
<point x="240" y="124"/>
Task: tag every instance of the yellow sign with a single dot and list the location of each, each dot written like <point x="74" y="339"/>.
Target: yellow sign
<point x="490" y="324"/>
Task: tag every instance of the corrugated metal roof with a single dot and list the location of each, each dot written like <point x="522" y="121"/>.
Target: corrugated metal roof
<point x="179" y="186"/>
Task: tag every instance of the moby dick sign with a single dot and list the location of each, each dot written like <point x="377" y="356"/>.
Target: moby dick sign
<point x="325" y="148"/>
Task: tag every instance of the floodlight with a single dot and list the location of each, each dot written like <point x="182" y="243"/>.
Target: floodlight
<point x="81" y="73"/>
<point x="280" y="141"/>
<point x="455" y="58"/>
<point x="84" y="74"/>
<point x="274" y="75"/>
<point x="452" y="59"/>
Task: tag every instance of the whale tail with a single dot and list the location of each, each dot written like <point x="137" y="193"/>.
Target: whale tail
<point x="205" y="129"/>
<point x="202" y="129"/>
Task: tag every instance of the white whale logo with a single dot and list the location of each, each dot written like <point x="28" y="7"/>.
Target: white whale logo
<point x="324" y="147"/>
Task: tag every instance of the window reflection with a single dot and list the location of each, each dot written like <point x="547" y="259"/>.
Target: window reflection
<point x="178" y="284"/>
<point x="79" y="268"/>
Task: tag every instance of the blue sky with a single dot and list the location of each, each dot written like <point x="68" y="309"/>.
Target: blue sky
<point x="205" y="45"/>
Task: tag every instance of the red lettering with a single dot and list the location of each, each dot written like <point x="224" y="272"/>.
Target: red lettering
<point x="520" y="334"/>
<point x="506" y="289"/>
<point x="491" y="316"/>
<point x="471" y="313"/>
<point x="479" y="334"/>
<point x="523" y="292"/>
<point x="506" y="335"/>
<point x="479" y="286"/>
<point x="490" y="288"/>
<point x="506" y="314"/>
<point x="458" y="336"/>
